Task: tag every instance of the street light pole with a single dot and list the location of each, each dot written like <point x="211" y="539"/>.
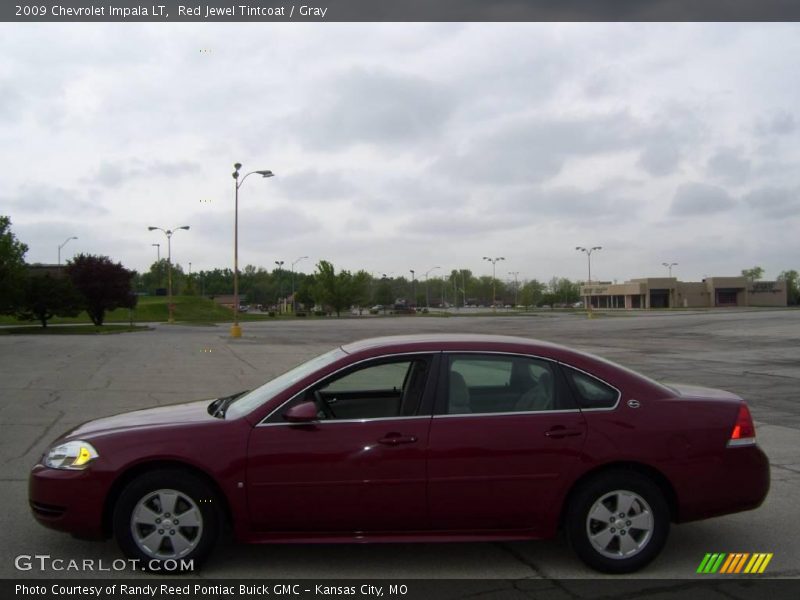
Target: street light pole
<point x="280" y="283"/>
<point x="588" y="252"/>
<point x="62" y="245"/>
<point x="427" y="287"/>
<point x="236" y="331"/>
<point x="168" y="233"/>
<point x="413" y="289"/>
<point x="294" y="304"/>
<point x="669" y="266"/>
<point x="494" y="262"/>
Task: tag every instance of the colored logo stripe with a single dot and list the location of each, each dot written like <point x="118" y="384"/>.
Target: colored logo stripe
<point x="734" y="563"/>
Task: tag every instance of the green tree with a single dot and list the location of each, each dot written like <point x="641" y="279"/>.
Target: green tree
<point x="383" y="293"/>
<point x="332" y="290"/>
<point x="753" y="274"/>
<point x="12" y="268"/>
<point x="103" y="285"/>
<point x="306" y="291"/>
<point x="531" y="293"/>
<point x="792" y="280"/>
<point x="359" y="293"/>
<point x="47" y="296"/>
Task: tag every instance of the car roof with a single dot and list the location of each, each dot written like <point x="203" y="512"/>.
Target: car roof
<point x="450" y="341"/>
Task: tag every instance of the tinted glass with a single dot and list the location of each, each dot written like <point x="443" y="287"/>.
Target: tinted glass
<point x="500" y="384"/>
<point x="592" y="393"/>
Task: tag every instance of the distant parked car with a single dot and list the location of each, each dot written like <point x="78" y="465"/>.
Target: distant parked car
<point x="413" y="438"/>
<point x="243" y="308"/>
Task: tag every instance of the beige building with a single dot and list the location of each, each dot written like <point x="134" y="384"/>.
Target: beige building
<point x="668" y="292"/>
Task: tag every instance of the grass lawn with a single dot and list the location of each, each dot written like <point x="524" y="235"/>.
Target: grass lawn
<point x="188" y="309"/>
<point x="71" y="329"/>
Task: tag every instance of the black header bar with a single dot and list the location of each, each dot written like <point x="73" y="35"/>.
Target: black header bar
<point x="397" y="10"/>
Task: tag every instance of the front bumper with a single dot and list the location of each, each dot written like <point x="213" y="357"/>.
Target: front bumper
<point x="71" y="501"/>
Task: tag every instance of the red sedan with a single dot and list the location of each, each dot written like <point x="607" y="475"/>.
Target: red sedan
<point x="418" y="438"/>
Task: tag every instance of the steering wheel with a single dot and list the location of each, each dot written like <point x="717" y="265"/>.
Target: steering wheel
<point x="323" y="406"/>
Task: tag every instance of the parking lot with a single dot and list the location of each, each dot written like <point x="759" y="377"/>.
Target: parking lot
<point x="51" y="383"/>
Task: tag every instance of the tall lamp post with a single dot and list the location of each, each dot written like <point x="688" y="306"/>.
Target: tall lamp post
<point x="669" y="267"/>
<point x="168" y="233"/>
<point x="588" y="252"/>
<point x="294" y="304"/>
<point x="62" y="245"/>
<point x="494" y="262"/>
<point x="158" y="261"/>
<point x="280" y="283"/>
<point x="236" y="331"/>
<point x="413" y="288"/>
<point x="427" y="287"/>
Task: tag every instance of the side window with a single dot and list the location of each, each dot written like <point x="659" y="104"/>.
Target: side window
<point x="500" y="384"/>
<point x="387" y="377"/>
<point x="591" y="392"/>
<point x="377" y="390"/>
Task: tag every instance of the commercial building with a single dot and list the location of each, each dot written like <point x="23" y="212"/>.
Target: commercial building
<point x="668" y="292"/>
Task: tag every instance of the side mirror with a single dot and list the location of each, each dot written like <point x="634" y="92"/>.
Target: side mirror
<point x="305" y="412"/>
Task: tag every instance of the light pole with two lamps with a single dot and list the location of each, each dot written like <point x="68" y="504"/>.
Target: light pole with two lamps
<point x="168" y="233"/>
<point x="236" y="330"/>
<point x="669" y="267"/>
<point x="588" y="252"/>
<point x="494" y="262"/>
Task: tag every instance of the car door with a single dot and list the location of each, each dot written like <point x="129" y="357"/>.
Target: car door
<point x="504" y="441"/>
<point x="361" y="467"/>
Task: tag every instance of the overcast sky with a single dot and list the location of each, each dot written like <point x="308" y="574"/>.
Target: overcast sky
<point x="408" y="146"/>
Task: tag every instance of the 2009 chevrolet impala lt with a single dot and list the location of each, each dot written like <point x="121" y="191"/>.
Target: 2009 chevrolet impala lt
<point x="417" y="438"/>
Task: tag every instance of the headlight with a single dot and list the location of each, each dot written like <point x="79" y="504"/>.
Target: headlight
<point x="74" y="455"/>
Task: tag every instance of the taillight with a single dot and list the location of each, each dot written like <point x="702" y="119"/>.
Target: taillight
<point x="744" y="432"/>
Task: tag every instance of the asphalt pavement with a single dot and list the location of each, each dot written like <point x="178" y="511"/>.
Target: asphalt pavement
<point x="50" y="383"/>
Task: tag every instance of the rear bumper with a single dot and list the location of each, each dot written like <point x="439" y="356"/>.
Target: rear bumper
<point x="70" y="501"/>
<point x="737" y="481"/>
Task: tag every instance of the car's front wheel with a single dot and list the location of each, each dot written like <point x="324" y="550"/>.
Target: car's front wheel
<point x="618" y="521"/>
<point x="167" y="519"/>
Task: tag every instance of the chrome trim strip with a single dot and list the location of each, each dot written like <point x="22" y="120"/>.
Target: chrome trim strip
<point x="741" y="442"/>
<point x="305" y="389"/>
<point x="504" y="414"/>
<point x="334" y="421"/>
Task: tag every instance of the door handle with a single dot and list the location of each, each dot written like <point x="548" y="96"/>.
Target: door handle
<point x="559" y="432"/>
<point x="394" y="439"/>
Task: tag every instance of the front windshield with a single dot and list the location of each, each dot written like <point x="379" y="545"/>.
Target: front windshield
<point x="258" y="396"/>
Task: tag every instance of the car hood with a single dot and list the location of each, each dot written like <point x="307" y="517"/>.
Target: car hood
<point x="189" y="412"/>
<point x="696" y="391"/>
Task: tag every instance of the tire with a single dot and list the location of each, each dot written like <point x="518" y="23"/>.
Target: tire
<point x="166" y="519"/>
<point x="593" y="517"/>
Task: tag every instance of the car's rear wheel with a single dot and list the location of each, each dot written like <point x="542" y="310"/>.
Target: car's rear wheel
<point x="167" y="519"/>
<point x="618" y="521"/>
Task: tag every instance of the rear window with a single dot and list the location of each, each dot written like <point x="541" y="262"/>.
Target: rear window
<point x="591" y="392"/>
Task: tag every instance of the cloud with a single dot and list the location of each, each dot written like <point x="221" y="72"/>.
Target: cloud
<point x="608" y="203"/>
<point x="775" y="203"/>
<point x="42" y="199"/>
<point x="535" y="150"/>
<point x="379" y="107"/>
<point x="728" y="165"/>
<point x="114" y="174"/>
<point x="311" y="185"/>
<point x="700" y="199"/>
<point x="778" y="122"/>
<point x="660" y="157"/>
